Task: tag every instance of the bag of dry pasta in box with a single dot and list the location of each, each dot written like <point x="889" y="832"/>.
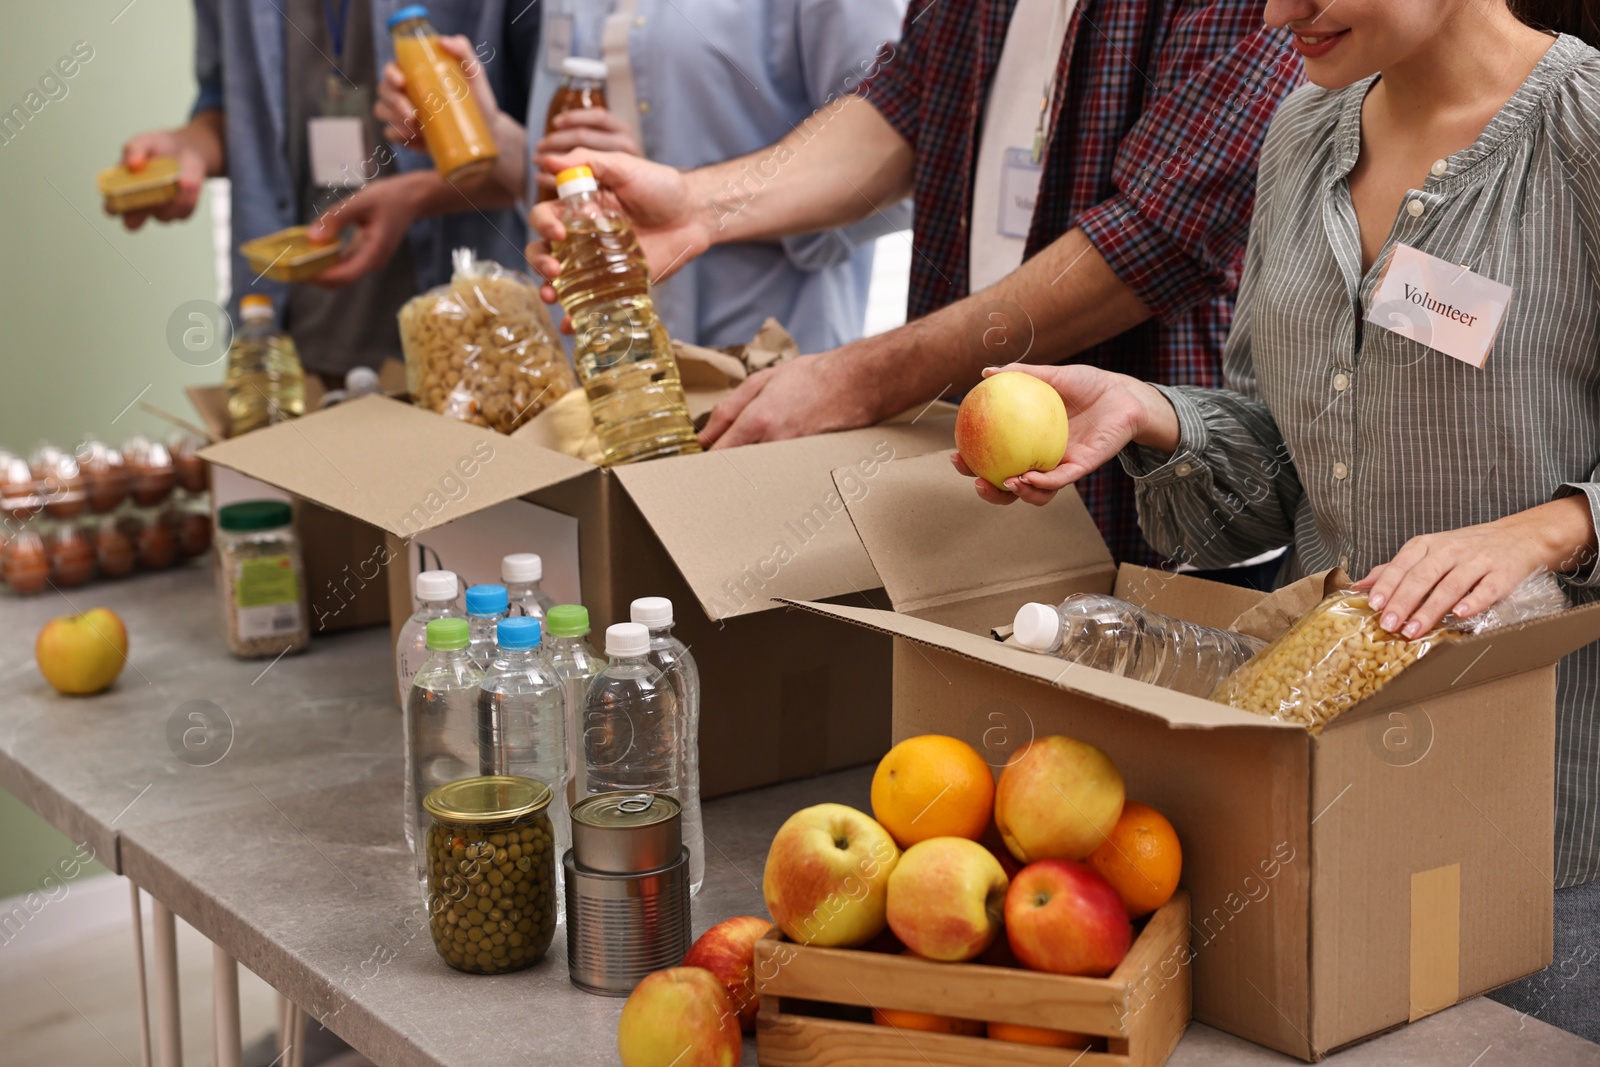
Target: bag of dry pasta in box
<point x="482" y="349"/>
<point x="1336" y="655"/>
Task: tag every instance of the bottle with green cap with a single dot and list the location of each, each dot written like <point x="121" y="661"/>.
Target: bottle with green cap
<point x="576" y="663"/>
<point x="442" y="722"/>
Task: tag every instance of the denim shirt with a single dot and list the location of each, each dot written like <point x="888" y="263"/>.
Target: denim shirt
<point x="239" y="63"/>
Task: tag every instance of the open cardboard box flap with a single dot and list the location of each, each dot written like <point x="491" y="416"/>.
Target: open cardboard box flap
<point x="383" y="461"/>
<point x="772" y="511"/>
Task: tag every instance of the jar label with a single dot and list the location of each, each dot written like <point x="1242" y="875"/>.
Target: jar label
<point x="267" y="595"/>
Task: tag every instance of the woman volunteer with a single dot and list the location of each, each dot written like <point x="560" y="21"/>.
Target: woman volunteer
<point x="1413" y="374"/>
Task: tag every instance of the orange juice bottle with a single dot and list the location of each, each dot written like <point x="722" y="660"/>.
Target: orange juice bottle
<point x="583" y="85"/>
<point x="457" y="136"/>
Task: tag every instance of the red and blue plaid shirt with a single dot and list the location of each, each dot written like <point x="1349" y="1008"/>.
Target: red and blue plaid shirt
<point x="1160" y="110"/>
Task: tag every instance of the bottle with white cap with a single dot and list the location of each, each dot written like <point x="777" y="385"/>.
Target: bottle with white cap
<point x="1114" y="635"/>
<point x="436" y="593"/>
<point x="630" y="723"/>
<point x="671" y="657"/>
<point x="521" y="573"/>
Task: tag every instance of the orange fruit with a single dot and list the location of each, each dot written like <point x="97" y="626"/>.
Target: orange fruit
<point x="1038" y="1035"/>
<point x="919" y="1020"/>
<point x="1141" y="858"/>
<point x="932" y="786"/>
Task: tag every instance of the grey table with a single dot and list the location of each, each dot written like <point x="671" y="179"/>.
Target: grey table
<point x="281" y="842"/>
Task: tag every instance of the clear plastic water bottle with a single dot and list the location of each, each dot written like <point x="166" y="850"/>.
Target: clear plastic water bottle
<point x="521" y="720"/>
<point x="486" y="606"/>
<point x="630" y="721"/>
<point x="1122" y="638"/>
<point x="522" y="572"/>
<point x="436" y="593"/>
<point x="671" y="657"/>
<point x="443" y="714"/>
<point x="576" y="663"/>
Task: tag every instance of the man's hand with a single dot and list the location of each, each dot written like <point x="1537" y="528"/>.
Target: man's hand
<point x="812" y="394"/>
<point x="671" y="227"/>
<point x="1105" y="412"/>
<point x="198" y="150"/>
<point x="381" y="211"/>
<point x="402" y="122"/>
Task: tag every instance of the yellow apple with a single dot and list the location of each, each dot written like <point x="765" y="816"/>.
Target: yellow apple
<point x="81" y="654"/>
<point x="680" y="1017"/>
<point x="1010" y="424"/>
<point x="947" y="898"/>
<point x="827" y="876"/>
<point x="1057" y="800"/>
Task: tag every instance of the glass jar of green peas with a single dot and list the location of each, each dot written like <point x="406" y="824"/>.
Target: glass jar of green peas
<point x="491" y="872"/>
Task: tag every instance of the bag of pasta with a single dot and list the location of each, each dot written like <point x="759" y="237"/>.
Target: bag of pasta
<point x="482" y="349"/>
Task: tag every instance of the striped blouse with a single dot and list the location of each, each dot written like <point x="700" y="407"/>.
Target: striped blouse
<point x="1347" y="439"/>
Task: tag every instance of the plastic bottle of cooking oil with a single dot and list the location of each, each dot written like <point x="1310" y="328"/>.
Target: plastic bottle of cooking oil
<point x="622" y="352"/>
<point x="264" y="381"/>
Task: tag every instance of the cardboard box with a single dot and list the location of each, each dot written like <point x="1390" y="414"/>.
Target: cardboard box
<point x="345" y="587"/>
<point x="785" y="694"/>
<point x="1342" y="884"/>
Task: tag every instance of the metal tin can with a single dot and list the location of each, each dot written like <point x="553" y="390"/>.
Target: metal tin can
<point x="627" y="890"/>
<point x="626" y="832"/>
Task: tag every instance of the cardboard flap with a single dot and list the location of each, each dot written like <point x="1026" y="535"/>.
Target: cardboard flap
<point x="1177" y="709"/>
<point x="393" y="465"/>
<point x="768" y="520"/>
<point x="933" y="541"/>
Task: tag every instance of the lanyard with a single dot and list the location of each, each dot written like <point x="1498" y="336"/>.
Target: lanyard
<point x="1053" y="45"/>
<point x="336" y="28"/>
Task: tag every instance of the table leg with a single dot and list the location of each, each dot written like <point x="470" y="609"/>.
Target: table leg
<point x="138" y="963"/>
<point x="227" y="1043"/>
<point x="169" y="1029"/>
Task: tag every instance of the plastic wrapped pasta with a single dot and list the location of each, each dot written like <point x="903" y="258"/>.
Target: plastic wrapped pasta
<point x="481" y="349"/>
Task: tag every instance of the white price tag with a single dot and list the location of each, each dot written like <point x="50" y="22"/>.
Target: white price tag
<point x="1019" y="191"/>
<point x="1442" y="305"/>
<point x="337" y="154"/>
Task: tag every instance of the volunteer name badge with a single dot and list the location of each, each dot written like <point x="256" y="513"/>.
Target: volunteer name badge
<point x="1442" y="305"/>
<point x="1019" y="191"/>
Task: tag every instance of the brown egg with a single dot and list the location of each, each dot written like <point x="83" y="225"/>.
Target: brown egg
<point x="27" y="566"/>
<point x="62" y="484"/>
<point x="194" y="473"/>
<point x="19" y="496"/>
<point x="105" y="478"/>
<point x="150" y="469"/>
<point x="71" y="558"/>
<point x="114" y="552"/>
<point x="158" y="548"/>
<point x="194" y="536"/>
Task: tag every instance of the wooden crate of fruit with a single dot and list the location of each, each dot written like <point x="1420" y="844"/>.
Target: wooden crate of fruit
<point x="816" y="1003"/>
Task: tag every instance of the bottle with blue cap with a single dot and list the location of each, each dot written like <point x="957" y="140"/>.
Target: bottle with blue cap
<point x="486" y="606"/>
<point x="521" y="716"/>
<point x="442" y="716"/>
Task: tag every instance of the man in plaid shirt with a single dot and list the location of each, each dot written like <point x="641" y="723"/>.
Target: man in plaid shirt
<point x="1146" y="178"/>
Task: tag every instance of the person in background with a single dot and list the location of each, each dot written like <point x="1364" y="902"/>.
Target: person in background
<point x="285" y="112"/>
<point x="1455" y="129"/>
<point x="691" y="83"/>
<point x="1082" y="174"/>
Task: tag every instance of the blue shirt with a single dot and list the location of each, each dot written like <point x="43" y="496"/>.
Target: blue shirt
<point x="716" y="79"/>
<point x="239" y="63"/>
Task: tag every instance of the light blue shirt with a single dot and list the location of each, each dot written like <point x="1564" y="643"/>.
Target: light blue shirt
<point x="239" y="63"/>
<point x="716" y="79"/>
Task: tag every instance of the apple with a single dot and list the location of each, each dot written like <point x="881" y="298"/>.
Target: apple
<point x="80" y="654"/>
<point x="946" y="898"/>
<point x="728" y="951"/>
<point x="921" y="1020"/>
<point x="827" y="876"/>
<point x="1009" y="424"/>
<point x="1057" y="800"/>
<point x="680" y="1017"/>
<point x="1064" y="918"/>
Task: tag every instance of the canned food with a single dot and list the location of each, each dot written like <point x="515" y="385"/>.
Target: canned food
<point x="491" y="873"/>
<point x="154" y="184"/>
<point x="289" y="255"/>
<point x="626" y="832"/>
<point x="622" y="927"/>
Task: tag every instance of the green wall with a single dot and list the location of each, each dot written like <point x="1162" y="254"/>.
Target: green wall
<point x="84" y="304"/>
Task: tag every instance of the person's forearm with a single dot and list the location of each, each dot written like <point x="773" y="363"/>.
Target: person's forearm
<point x="835" y="168"/>
<point x="1562" y="528"/>
<point x="206" y="133"/>
<point x="1053" y="306"/>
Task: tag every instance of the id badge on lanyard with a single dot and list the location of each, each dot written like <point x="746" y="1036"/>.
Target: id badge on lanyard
<point x="1019" y="191"/>
<point x="336" y="131"/>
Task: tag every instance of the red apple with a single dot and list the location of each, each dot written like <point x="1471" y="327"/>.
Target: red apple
<point x="1009" y="424"/>
<point x="946" y="896"/>
<point x="81" y="654"/>
<point x="727" y="950"/>
<point x="1058" y="800"/>
<point x="827" y="876"/>
<point x="679" y="1017"/>
<point x="1064" y="918"/>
